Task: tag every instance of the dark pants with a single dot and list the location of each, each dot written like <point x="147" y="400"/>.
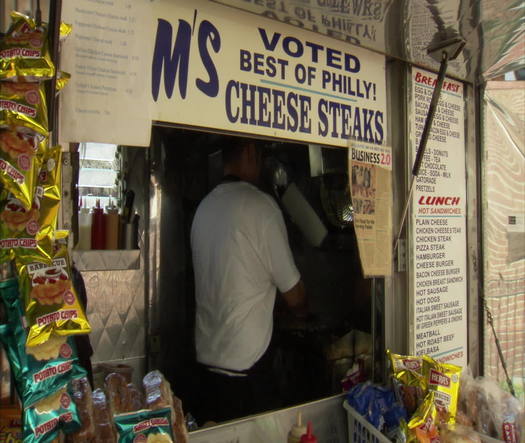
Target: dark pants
<point x="228" y="397"/>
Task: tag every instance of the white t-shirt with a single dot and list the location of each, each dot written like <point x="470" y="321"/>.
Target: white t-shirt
<point x="240" y="256"/>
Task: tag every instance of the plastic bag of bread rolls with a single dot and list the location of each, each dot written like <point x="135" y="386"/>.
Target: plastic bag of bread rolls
<point x="158" y="394"/>
<point x="102" y="418"/>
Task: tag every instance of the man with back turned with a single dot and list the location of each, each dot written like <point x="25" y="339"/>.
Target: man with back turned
<point x="241" y="258"/>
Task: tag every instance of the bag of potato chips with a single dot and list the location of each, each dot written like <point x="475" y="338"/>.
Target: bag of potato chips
<point x="145" y="426"/>
<point x="24" y="51"/>
<point x="39" y="370"/>
<point x="49" y="180"/>
<point x="21" y="228"/>
<point x="443" y="380"/>
<point x="408" y="379"/>
<point x="43" y="421"/>
<point x="423" y="426"/>
<point x="20" y="165"/>
<point x="51" y="303"/>
<point x="23" y="106"/>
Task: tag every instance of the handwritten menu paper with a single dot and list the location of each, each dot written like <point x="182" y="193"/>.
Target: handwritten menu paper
<point x="107" y="99"/>
<point x="438" y="224"/>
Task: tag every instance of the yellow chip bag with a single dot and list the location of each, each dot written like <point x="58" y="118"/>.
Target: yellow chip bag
<point x="49" y="181"/>
<point x="19" y="165"/>
<point x="423" y="426"/>
<point x="23" y="105"/>
<point x="65" y="30"/>
<point x="407" y="369"/>
<point x="443" y="380"/>
<point x="50" y="299"/>
<point x="24" y="51"/>
<point x="62" y="80"/>
<point x="18" y="226"/>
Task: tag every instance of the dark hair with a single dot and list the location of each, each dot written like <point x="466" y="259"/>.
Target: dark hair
<point x="232" y="147"/>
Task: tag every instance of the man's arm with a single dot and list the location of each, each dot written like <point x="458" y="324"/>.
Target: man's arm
<point x="296" y="300"/>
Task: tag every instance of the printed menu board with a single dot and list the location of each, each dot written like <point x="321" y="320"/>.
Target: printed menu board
<point x="439" y="314"/>
<point x="107" y="100"/>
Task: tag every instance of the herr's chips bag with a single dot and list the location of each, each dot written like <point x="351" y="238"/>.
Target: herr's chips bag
<point x="23" y="105"/>
<point x="408" y="379"/>
<point x="443" y="380"/>
<point x="145" y="426"/>
<point x="24" y="51"/>
<point x="40" y="370"/>
<point x="423" y="426"/>
<point x="50" y="299"/>
<point x="20" y="164"/>
<point x="406" y="368"/>
<point x="43" y="421"/>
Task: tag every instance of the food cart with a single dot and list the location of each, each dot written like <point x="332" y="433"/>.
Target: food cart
<point x="340" y="93"/>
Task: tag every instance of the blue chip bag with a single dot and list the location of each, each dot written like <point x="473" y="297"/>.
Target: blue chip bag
<point x="377" y="404"/>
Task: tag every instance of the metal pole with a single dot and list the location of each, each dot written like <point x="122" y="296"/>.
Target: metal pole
<point x="424" y="138"/>
<point x="55" y="10"/>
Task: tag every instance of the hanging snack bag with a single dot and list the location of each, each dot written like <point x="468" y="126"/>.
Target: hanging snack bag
<point x="50" y="300"/>
<point x="49" y="182"/>
<point x="43" y="421"/>
<point x="144" y="426"/>
<point x="62" y="80"/>
<point x="23" y="106"/>
<point x="24" y="51"/>
<point x="42" y="369"/>
<point x="17" y="226"/>
<point x="20" y="164"/>
<point x="20" y="228"/>
<point x="443" y="380"/>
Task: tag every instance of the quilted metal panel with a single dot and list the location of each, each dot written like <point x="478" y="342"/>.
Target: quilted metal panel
<point x="116" y="313"/>
<point x="120" y="259"/>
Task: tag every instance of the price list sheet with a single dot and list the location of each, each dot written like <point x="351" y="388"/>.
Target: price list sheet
<point x="439" y="315"/>
<point x="106" y="100"/>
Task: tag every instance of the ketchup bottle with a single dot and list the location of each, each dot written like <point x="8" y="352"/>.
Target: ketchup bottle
<point x="309" y="437"/>
<point x="98" y="228"/>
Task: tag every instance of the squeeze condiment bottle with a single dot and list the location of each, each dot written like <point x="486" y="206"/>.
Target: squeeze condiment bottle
<point x="309" y="437"/>
<point x="84" y="229"/>
<point x="297" y="430"/>
<point x="98" y="230"/>
<point x="112" y="227"/>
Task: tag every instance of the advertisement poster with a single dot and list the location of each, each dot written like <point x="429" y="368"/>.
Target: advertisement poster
<point x="206" y="65"/>
<point x="438" y="224"/>
<point x="358" y="22"/>
<point x="371" y="190"/>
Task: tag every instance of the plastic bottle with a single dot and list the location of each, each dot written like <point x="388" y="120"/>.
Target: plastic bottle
<point x="297" y="430"/>
<point x="309" y="437"/>
<point x="112" y="227"/>
<point x="84" y="229"/>
<point x="98" y="230"/>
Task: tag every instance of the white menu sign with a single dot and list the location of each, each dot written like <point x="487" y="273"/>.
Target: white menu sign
<point x="107" y="99"/>
<point x="438" y="224"/>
